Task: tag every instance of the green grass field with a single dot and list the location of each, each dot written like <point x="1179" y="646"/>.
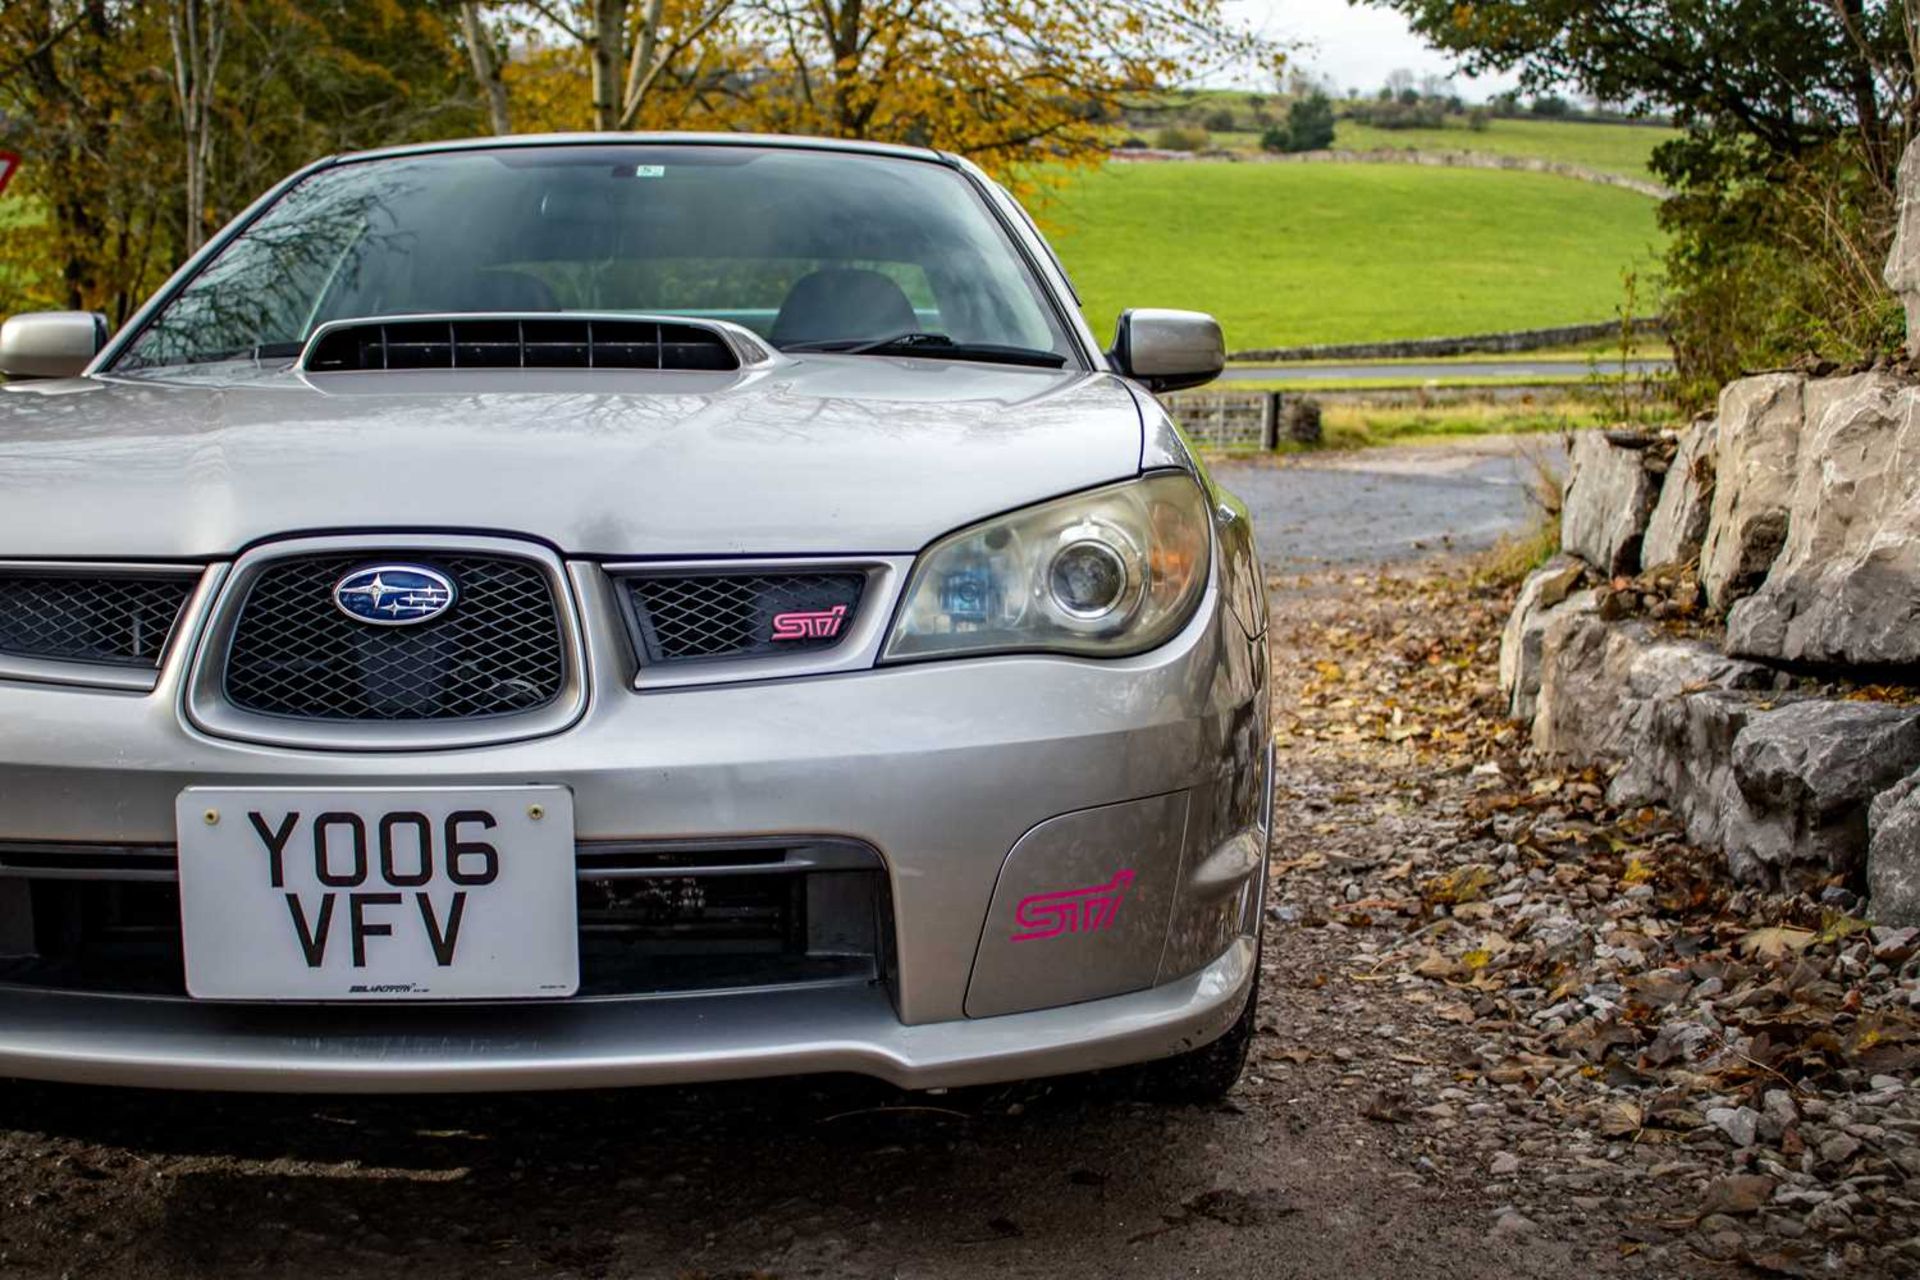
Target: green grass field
<point x="1610" y="148"/>
<point x="1294" y="254"/>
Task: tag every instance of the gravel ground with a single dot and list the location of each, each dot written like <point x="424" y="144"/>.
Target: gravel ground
<point x="1504" y="1033"/>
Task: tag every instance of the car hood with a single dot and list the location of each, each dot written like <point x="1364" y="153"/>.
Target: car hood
<point x="810" y="456"/>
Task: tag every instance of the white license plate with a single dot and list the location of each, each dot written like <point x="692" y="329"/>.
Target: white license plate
<point x="297" y="893"/>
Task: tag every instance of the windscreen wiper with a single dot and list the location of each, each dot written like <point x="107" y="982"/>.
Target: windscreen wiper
<point x="935" y="345"/>
<point x="264" y="351"/>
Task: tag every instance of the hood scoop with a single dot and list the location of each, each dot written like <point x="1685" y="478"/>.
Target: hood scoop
<point x="544" y="341"/>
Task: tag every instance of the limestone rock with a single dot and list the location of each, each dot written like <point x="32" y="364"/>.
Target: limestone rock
<point x="1679" y="522"/>
<point x="1805" y="775"/>
<point x="1597" y="681"/>
<point x="1545" y="589"/>
<point x="1893" y="854"/>
<point x="1902" y="272"/>
<point x="1609" y="496"/>
<point x="1755" y="452"/>
<point x="1843" y="585"/>
<point x="1682" y="756"/>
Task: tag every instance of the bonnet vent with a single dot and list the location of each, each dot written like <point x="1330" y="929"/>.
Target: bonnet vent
<point x="495" y="342"/>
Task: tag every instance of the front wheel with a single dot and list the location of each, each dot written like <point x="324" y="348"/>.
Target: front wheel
<point x="1206" y="1074"/>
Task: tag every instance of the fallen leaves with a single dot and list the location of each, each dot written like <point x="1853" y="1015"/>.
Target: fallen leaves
<point x="1588" y="966"/>
<point x="1776" y="942"/>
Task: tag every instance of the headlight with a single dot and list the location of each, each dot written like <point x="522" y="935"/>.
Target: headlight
<point x="1106" y="573"/>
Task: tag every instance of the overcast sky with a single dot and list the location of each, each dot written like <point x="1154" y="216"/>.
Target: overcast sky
<point x="1355" y="46"/>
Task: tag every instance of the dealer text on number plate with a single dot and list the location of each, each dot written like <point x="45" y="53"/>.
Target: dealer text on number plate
<point x="296" y="893"/>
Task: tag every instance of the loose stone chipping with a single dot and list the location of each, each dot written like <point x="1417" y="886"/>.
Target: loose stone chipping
<point x="1728" y="1069"/>
<point x="1759" y="426"/>
<point x="1610" y="493"/>
<point x="1843" y="587"/>
<point x="1679" y="522"/>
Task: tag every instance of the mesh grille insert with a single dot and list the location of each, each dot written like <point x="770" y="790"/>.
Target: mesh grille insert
<point x="721" y="615"/>
<point x="499" y="650"/>
<point x="90" y="618"/>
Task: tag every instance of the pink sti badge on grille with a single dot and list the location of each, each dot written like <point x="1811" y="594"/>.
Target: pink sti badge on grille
<point x="1048" y="915"/>
<point x="819" y="624"/>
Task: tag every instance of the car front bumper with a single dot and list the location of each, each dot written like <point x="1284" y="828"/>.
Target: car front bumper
<point x="169" y="1044"/>
<point x="943" y="768"/>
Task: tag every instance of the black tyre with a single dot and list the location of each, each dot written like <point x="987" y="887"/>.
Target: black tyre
<point x="1206" y="1074"/>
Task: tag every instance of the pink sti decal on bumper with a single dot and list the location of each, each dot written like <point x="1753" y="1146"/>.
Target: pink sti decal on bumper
<point x="1048" y="915"/>
<point x="822" y="624"/>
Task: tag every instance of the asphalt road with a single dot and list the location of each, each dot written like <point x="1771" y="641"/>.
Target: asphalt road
<point x="1361" y="371"/>
<point x="1381" y="505"/>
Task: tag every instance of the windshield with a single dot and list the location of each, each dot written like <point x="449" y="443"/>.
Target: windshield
<point x="810" y="249"/>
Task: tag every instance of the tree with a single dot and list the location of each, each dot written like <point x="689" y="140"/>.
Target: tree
<point x="117" y="107"/>
<point x="81" y="101"/>
<point x="634" y="52"/>
<point x="1310" y="123"/>
<point x="1795" y="113"/>
<point x="1003" y="82"/>
<point x="197" y="32"/>
<point x="486" y="51"/>
<point x="1790" y="74"/>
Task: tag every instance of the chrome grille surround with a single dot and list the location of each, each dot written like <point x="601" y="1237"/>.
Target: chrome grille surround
<point x="94" y="624"/>
<point x="856" y="648"/>
<point x="410" y="688"/>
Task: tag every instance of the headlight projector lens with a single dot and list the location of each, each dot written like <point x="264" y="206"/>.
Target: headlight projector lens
<point x="1087" y="578"/>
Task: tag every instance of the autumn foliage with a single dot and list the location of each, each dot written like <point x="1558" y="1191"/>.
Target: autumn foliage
<point x="144" y="127"/>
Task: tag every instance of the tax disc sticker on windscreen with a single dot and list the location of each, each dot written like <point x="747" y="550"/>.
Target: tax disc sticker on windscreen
<point x="650" y="171"/>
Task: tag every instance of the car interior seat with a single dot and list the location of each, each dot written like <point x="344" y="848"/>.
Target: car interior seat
<point x="843" y="302"/>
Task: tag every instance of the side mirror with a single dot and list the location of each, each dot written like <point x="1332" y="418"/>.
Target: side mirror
<point x="51" y="344"/>
<point x="1168" y="350"/>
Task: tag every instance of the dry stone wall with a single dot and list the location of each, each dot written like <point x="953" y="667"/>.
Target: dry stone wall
<point x="1733" y="626"/>
<point x="1794" y="515"/>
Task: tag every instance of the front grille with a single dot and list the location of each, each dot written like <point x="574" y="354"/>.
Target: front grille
<point x="530" y="343"/>
<point x="499" y="651"/>
<point x="721" y="615"/>
<point x="124" y="620"/>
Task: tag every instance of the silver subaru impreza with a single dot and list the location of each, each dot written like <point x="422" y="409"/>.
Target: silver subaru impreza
<point x="601" y="610"/>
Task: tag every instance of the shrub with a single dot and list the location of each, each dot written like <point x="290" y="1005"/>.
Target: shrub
<point x="1310" y="123"/>
<point x="1769" y="260"/>
<point x="1134" y="142"/>
<point x="1276" y="138"/>
<point x="1220" y="121"/>
<point x="1395" y="114"/>
<point x="1477" y="119"/>
<point x="1181" y="138"/>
